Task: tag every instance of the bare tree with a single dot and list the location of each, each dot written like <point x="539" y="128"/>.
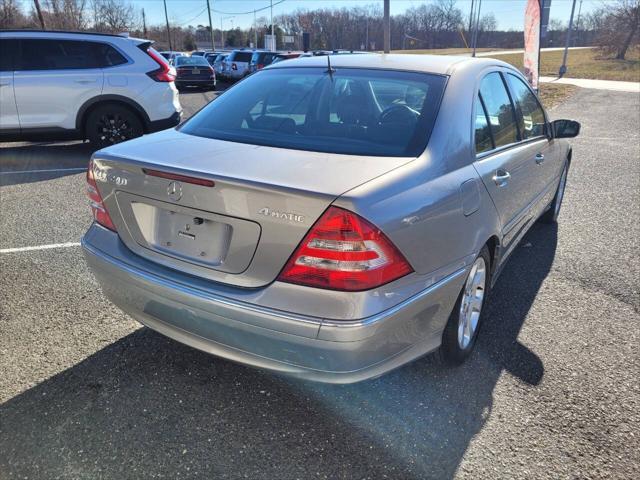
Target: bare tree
<point x="113" y="16"/>
<point x="618" y="26"/>
<point x="11" y="15"/>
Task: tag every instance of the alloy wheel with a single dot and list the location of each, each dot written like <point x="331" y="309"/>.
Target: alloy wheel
<point x="471" y="304"/>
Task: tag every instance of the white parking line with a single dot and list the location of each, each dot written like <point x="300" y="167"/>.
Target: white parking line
<point x="39" y="247"/>
<point x="75" y="169"/>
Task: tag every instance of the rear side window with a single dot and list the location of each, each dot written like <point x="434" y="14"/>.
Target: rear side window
<point x="500" y="112"/>
<point x="531" y="116"/>
<point x="241" y="56"/>
<point x="484" y="142"/>
<point x="67" y="55"/>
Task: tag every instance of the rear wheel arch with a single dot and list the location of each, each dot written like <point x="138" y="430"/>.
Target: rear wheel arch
<point x="493" y="244"/>
<point x="102" y="100"/>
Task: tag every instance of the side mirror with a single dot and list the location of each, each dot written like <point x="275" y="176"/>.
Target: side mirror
<point x="565" y="128"/>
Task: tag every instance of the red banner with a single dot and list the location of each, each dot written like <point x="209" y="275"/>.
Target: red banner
<point x="532" y="41"/>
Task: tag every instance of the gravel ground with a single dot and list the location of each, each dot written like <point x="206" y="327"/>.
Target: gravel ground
<point x="551" y="392"/>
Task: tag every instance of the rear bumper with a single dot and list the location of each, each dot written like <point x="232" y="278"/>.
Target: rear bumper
<point x="306" y="347"/>
<point x="195" y="82"/>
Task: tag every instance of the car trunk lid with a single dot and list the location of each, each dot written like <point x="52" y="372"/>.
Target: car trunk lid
<point x="225" y="211"/>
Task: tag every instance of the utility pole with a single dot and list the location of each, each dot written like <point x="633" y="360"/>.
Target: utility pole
<point x="255" y="31"/>
<point x="578" y="22"/>
<point x="387" y="27"/>
<point x="40" y="17"/>
<point x="166" y="17"/>
<point x="273" y="35"/>
<point x="144" y="24"/>
<point x="475" y="31"/>
<point x="213" y="43"/>
<point x="563" y="67"/>
<point x="471" y="17"/>
<point x="367" y="36"/>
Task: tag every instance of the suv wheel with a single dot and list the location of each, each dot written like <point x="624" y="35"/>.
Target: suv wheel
<point x="111" y="124"/>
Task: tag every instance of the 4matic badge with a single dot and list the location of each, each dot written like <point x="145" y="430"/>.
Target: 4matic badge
<point x="292" y="217"/>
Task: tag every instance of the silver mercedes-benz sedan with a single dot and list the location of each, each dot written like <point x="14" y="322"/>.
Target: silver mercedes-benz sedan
<point x="332" y="221"/>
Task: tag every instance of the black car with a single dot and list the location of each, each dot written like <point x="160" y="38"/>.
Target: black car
<point x="194" y="72"/>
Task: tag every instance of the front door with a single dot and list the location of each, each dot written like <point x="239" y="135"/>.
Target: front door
<point x="504" y="163"/>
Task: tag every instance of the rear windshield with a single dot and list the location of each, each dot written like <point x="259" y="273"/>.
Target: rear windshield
<point x="180" y="61"/>
<point x="353" y="111"/>
<point x="241" y="56"/>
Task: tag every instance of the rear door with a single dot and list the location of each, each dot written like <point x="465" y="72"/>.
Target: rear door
<point x="9" y="112"/>
<point x="54" y="78"/>
<point x="505" y="164"/>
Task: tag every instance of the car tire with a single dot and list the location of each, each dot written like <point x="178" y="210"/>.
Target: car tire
<point x="110" y="124"/>
<point x="551" y="215"/>
<point x="461" y="331"/>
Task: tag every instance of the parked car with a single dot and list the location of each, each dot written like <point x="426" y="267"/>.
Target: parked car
<point x="330" y="224"/>
<point x="199" y="53"/>
<point x="260" y="59"/>
<point x="219" y="65"/>
<point x="105" y="88"/>
<point x="170" y="56"/>
<point x="194" y="72"/>
<point x="286" y="56"/>
<point x="237" y="64"/>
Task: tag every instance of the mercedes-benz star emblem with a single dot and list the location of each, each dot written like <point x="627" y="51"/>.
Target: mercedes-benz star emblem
<point x="174" y="190"/>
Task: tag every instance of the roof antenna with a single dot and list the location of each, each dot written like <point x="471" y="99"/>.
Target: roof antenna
<point x="330" y="70"/>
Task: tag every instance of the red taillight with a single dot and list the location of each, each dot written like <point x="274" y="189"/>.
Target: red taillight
<point x="181" y="178"/>
<point x="260" y="66"/>
<point x="165" y="73"/>
<point x="234" y="66"/>
<point x="342" y="251"/>
<point x="100" y="213"/>
<point x="213" y="72"/>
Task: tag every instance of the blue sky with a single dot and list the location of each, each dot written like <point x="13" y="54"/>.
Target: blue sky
<point x="509" y="13"/>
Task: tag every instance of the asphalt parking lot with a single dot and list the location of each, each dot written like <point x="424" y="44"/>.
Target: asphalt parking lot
<point x="552" y="390"/>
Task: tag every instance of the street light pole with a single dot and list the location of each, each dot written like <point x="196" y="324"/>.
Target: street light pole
<point x="563" y="67"/>
<point x="475" y="31"/>
<point x="213" y="42"/>
<point x="387" y="27"/>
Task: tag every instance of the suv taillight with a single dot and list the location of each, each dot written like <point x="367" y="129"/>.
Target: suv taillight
<point x="100" y="213"/>
<point x="166" y="73"/>
<point x="343" y="251"/>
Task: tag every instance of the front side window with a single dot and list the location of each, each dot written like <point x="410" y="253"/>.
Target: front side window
<point x="39" y="54"/>
<point x="353" y="111"/>
<point x="500" y="111"/>
<point x="531" y="119"/>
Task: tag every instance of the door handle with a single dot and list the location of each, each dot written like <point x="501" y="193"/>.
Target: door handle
<point x="84" y="82"/>
<point x="501" y="178"/>
<point x="539" y="158"/>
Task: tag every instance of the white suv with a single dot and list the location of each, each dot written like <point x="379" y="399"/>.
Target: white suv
<point x="105" y="88"/>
